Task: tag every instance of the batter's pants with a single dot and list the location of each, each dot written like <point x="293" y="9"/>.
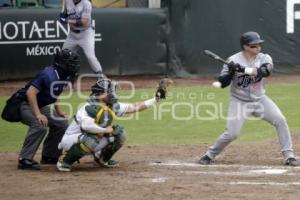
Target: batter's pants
<point x="239" y="111"/>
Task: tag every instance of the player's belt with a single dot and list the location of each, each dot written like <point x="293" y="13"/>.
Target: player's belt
<point x="79" y="31"/>
<point x="76" y="31"/>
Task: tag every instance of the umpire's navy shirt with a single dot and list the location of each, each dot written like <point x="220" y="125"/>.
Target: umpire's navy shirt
<point x="43" y="81"/>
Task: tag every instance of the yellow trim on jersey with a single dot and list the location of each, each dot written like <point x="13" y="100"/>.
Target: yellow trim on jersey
<point x="112" y="114"/>
<point x="98" y="115"/>
<point x="101" y="110"/>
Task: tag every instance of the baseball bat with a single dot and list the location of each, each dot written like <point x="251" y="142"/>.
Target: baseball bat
<point x="215" y="56"/>
<point x="211" y="54"/>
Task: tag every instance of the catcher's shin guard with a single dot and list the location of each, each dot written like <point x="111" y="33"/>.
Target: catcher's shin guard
<point x="108" y="151"/>
<point x="74" y="154"/>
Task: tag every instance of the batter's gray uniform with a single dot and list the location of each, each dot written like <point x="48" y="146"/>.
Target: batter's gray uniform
<point x="248" y="98"/>
<point x="80" y="36"/>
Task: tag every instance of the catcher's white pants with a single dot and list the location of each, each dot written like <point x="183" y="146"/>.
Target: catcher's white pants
<point x="70" y="139"/>
<point x="72" y="135"/>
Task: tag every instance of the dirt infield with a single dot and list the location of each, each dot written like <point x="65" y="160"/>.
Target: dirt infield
<point x="161" y="172"/>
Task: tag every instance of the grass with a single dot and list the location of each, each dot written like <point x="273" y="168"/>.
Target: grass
<point x="199" y="116"/>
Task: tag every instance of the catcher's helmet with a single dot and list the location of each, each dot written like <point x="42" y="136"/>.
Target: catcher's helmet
<point x="101" y="86"/>
<point x="67" y="62"/>
<point x="106" y="86"/>
<point x="250" y="37"/>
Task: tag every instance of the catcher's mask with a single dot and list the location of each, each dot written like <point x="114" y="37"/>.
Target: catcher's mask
<point x="67" y="63"/>
<point x="106" y="86"/>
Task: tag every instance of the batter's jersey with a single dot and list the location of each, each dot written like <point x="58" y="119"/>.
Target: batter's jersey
<point x="243" y="86"/>
<point x="83" y="9"/>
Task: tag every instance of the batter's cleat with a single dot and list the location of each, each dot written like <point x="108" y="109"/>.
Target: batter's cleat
<point x="101" y="76"/>
<point x="45" y="160"/>
<point x="63" y="167"/>
<point x="28" y="164"/>
<point x="291" y="162"/>
<point x="109" y="164"/>
<point x="205" y="160"/>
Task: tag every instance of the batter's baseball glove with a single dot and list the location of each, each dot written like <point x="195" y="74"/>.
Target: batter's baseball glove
<point x="161" y="91"/>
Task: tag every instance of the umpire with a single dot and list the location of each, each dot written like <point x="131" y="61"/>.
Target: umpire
<point x="37" y="94"/>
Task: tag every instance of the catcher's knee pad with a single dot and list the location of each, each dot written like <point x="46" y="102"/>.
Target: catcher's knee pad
<point x="122" y="137"/>
<point x="108" y="151"/>
<point x="119" y="133"/>
<point x="88" y="142"/>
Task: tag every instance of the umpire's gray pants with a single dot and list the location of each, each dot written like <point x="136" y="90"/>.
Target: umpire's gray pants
<point x="37" y="132"/>
<point x="239" y="111"/>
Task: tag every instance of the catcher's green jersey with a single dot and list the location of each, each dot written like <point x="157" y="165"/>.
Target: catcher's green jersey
<point x="103" y="115"/>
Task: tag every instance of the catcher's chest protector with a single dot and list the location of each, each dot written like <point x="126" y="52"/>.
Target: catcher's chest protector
<point x="102" y="114"/>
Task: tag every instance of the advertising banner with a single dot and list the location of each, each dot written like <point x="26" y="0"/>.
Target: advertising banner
<point x="127" y="41"/>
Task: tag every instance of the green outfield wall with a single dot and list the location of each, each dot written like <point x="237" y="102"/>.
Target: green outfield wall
<point x="141" y="41"/>
<point x="218" y="24"/>
<point x="128" y="41"/>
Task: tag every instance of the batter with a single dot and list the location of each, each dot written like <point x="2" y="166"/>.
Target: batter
<point x="246" y="73"/>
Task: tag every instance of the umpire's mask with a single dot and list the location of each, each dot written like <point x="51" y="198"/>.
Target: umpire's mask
<point x="67" y="64"/>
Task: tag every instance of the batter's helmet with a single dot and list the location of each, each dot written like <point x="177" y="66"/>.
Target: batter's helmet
<point x="250" y="37"/>
<point x="68" y="63"/>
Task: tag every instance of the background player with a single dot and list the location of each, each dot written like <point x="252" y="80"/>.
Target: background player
<point x="246" y="73"/>
<point x="78" y="14"/>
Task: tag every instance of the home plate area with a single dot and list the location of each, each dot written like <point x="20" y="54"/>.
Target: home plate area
<point x="244" y="174"/>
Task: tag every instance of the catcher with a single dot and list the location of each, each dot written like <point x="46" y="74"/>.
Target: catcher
<point x="92" y="130"/>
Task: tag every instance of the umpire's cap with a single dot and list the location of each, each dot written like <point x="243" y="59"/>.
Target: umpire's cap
<point x="250" y="37"/>
<point x="67" y="62"/>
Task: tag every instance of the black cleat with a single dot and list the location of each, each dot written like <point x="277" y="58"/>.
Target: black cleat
<point x="205" y="160"/>
<point x="291" y="162"/>
<point x="101" y="76"/>
<point x="48" y="160"/>
<point x="109" y="164"/>
<point x="28" y="164"/>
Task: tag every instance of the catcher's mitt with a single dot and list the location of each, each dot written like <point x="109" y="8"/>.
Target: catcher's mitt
<point x="161" y="91"/>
